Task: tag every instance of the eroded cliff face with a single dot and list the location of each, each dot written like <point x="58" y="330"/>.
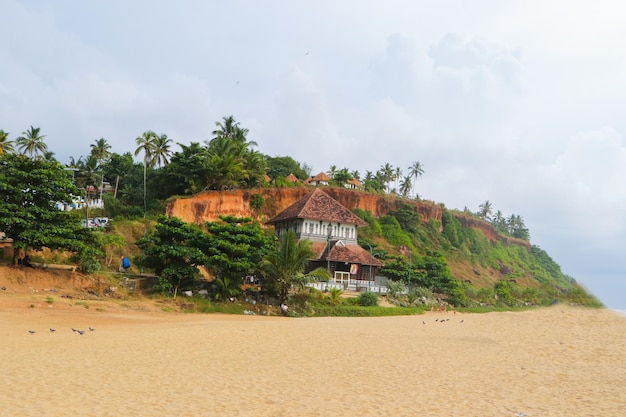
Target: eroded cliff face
<point x="207" y="206"/>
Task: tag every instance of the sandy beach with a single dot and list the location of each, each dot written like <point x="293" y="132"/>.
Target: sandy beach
<point x="549" y="362"/>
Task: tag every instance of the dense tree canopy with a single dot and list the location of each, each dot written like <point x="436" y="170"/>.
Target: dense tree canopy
<point x="173" y="252"/>
<point x="29" y="190"/>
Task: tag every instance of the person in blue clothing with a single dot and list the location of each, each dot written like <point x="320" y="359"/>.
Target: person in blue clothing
<point x="124" y="264"/>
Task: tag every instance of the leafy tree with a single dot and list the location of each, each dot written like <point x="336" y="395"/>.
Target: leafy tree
<point x="185" y="174"/>
<point x="122" y="171"/>
<point x="234" y="247"/>
<point x="282" y="166"/>
<point x="6" y="145"/>
<point x="452" y="228"/>
<point x="31" y="142"/>
<point x="29" y="190"/>
<point x="173" y="251"/>
<point x="434" y="273"/>
<point x="284" y="266"/>
<point x="408" y="217"/>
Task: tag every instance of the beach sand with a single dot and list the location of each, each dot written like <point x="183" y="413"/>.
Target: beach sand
<point x="558" y="361"/>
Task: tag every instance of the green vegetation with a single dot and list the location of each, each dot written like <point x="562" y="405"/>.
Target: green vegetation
<point x="450" y="261"/>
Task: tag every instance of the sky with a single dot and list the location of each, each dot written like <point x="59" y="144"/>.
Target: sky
<point x="521" y="103"/>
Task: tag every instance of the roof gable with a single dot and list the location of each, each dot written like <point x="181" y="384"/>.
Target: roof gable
<point x="317" y="205"/>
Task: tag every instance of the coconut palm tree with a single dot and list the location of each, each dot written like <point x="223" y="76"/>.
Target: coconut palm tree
<point x="416" y="170"/>
<point x="284" y="266"/>
<point x="101" y="150"/>
<point x="6" y="145"/>
<point x="31" y="142"/>
<point x="386" y="174"/>
<point x="485" y="210"/>
<point x="405" y="186"/>
<point x="161" y="151"/>
<point x="146" y="144"/>
<point x="230" y="129"/>
<point x="397" y="174"/>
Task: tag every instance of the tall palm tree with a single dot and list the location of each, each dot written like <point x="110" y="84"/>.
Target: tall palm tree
<point x="146" y="144"/>
<point x="416" y="170"/>
<point x="101" y="150"/>
<point x="405" y="186"/>
<point x="397" y="174"/>
<point x="161" y="151"/>
<point x="485" y="210"/>
<point x="31" y="142"/>
<point x="6" y="145"/>
<point x="386" y="174"/>
<point x="285" y="265"/>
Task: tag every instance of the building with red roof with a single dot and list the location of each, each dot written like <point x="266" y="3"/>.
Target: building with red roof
<point x="333" y="230"/>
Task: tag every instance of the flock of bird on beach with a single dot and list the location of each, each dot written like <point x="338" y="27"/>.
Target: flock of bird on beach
<point x="52" y="330"/>
<point x="91" y="329"/>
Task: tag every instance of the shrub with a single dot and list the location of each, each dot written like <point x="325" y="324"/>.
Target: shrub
<point x="368" y="299"/>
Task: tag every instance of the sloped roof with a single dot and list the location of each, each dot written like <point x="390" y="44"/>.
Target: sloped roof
<point x="320" y="177"/>
<point x="317" y="205"/>
<point x="353" y="254"/>
<point x="354" y="182"/>
<point x="291" y="178"/>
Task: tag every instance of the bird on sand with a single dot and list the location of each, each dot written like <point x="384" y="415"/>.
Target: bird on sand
<point x="32" y="332"/>
<point x="91" y="329"/>
<point x="81" y="332"/>
<point x="423" y="322"/>
<point x="52" y="330"/>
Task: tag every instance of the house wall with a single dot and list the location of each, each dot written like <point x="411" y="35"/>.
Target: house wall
<point x="318" y="230"/>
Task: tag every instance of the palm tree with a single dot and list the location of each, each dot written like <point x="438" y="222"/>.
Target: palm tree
<point x="230" y="161"/>
<point x="285" y="265"/>
<point x="416" y="170"/>
<point x="397" y="174"/>
<point x="31" y="142"/>
<point x="331" y="171"/>
<point x="6" y="145"/>
<point x="485" y="210"/>
<point x="230" y="129"/>
<point x="161" y="150"/>
<point x="146" y="144"/>
<point x="405" y="186"/>
<point x="385" y="174"/>
<point x="101" y="150"/>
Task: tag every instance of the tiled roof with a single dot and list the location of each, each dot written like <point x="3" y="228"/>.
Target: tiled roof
<point x="353" y="254"/>
<point x="291" y="178"/>
<point x="320" y="177"/>
<point x="317" y="205"/>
